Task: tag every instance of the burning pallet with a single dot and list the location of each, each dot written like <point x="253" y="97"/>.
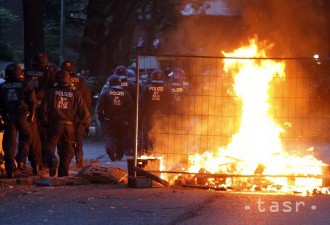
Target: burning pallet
<point x="251" y="182"/>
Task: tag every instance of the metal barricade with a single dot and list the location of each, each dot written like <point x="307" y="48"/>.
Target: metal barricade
<point x="209" y="113"/>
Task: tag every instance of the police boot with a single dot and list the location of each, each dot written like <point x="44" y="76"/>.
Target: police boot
<point x="53" y="167"/>
<point x="111" y="155"/>
<point x="10" y="175"/>
<point x="35" y="168"/>
<point x="119" y="155"/>
<point x="79" y="162"/>
<point x="10" y="172"/>
<point x="21" y="166"/>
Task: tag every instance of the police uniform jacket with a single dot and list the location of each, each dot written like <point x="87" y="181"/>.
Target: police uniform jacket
<point x="154" y="98"/>
<point x="80" y="85"/>
<point x="115" y="102"/>
<point x="40" y="79"/>
<point x="17" y="98"/>
<point x="63" y="105"/>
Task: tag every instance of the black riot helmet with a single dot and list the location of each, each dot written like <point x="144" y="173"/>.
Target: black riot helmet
<point x="131" y="75"/>
<point x="177" y="72"/>
<point x="115" y="82"/>
<point x="52" y="68"/>
<point x="62" y="77"/>
<point x="69" y="66"/>
<point x="157" y="76"/>
<point x="40" y="59"/>
<point x="132" y="68"/>
<point x="177" y="76"/>
<point x="14" y="71"/>
<point x="121" y="71"/>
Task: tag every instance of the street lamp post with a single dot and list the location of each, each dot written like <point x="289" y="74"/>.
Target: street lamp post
<point x="62" y="31"/>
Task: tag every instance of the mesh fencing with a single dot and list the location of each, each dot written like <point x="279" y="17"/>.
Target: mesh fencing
<point x="209" y="111"/>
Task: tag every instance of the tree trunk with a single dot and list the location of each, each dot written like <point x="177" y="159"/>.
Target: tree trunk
<point x="108" y="24"/>
<point x="108" y="39"/>
<point x="33" y="29"/>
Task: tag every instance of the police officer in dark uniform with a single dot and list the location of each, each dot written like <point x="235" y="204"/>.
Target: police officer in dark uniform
<point x="79" y="84"/>
<point x="38" y="75"/>
<point x="41" y="79"/>
<point x="115" y="107"/>
<point x="129" y="87"/>
<point x="177" y="91"/>
<point x="179" y="73"/>
<point x="131" y="76"/>
<point x="17" y="103"/>
<point x="60" y="107"/>
<point x="154" y="98"/>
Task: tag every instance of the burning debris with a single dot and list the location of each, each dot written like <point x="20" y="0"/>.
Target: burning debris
<point x="256" y="158"/>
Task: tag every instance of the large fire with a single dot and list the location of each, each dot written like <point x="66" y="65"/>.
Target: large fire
<point x="257" y="147"/>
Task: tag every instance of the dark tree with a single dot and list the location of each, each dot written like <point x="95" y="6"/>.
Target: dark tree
<point x="108" y="22"/>
<point x="33" y="28"/>
<point x="74" y="26"/>
<point x="108" y="38"/>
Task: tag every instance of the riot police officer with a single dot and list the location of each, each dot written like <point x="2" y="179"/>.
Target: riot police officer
<point x="154" y="98"/>
<point x="41" y="78"/>
<point x="178" y="90"/>
<point x="79" y="84"/>
<point x="131" y="76"/>
<point x="128" y="85"/>
<point x="38" y="75"/>
<point x="130" y="88"/>
<point x="115" y="107"/>
<point x="17" y="103"/>
<point x="60" y="107"/>
<point x="179" y="74"/>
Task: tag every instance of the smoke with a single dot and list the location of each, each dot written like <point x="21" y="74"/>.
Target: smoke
<point x="298" y="28"/>
<point x="204" y="120"/>
<point x="212" y="112"/>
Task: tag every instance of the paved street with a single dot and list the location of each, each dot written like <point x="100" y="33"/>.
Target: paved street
<point x="118" y="204"/>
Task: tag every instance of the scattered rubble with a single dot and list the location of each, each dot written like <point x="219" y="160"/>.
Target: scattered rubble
<point x="99" y="174"/>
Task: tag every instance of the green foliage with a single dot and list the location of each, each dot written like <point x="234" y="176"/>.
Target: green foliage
<point x="74" y="23"/>
<point x="7" y="52"/>
<point x="6" y="19"/>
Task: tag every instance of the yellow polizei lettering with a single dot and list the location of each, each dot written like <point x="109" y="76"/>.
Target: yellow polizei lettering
<point x="64" y="93"/>
<point x="35" y="73"/>
<point x="74" y="79"/>
<point x="12" y="85"/>
<point x="156" y="88"/>
<point x="176" y="90"/>
<point x="120" y="93"/>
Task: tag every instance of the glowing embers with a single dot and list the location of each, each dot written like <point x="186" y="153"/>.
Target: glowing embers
<point x="255" y="157"/>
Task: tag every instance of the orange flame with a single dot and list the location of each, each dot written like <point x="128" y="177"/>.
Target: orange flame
<point x="258" y="139"/>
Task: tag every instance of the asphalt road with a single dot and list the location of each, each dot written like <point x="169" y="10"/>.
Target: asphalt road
<point x="118" y="204"/>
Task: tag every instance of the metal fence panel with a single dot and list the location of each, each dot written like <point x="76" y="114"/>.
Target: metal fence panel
<point x="210" y="111"/>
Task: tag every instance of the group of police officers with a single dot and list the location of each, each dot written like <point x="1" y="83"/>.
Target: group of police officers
<point x="49" y="109"/>
<point x="116" y="107"/>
